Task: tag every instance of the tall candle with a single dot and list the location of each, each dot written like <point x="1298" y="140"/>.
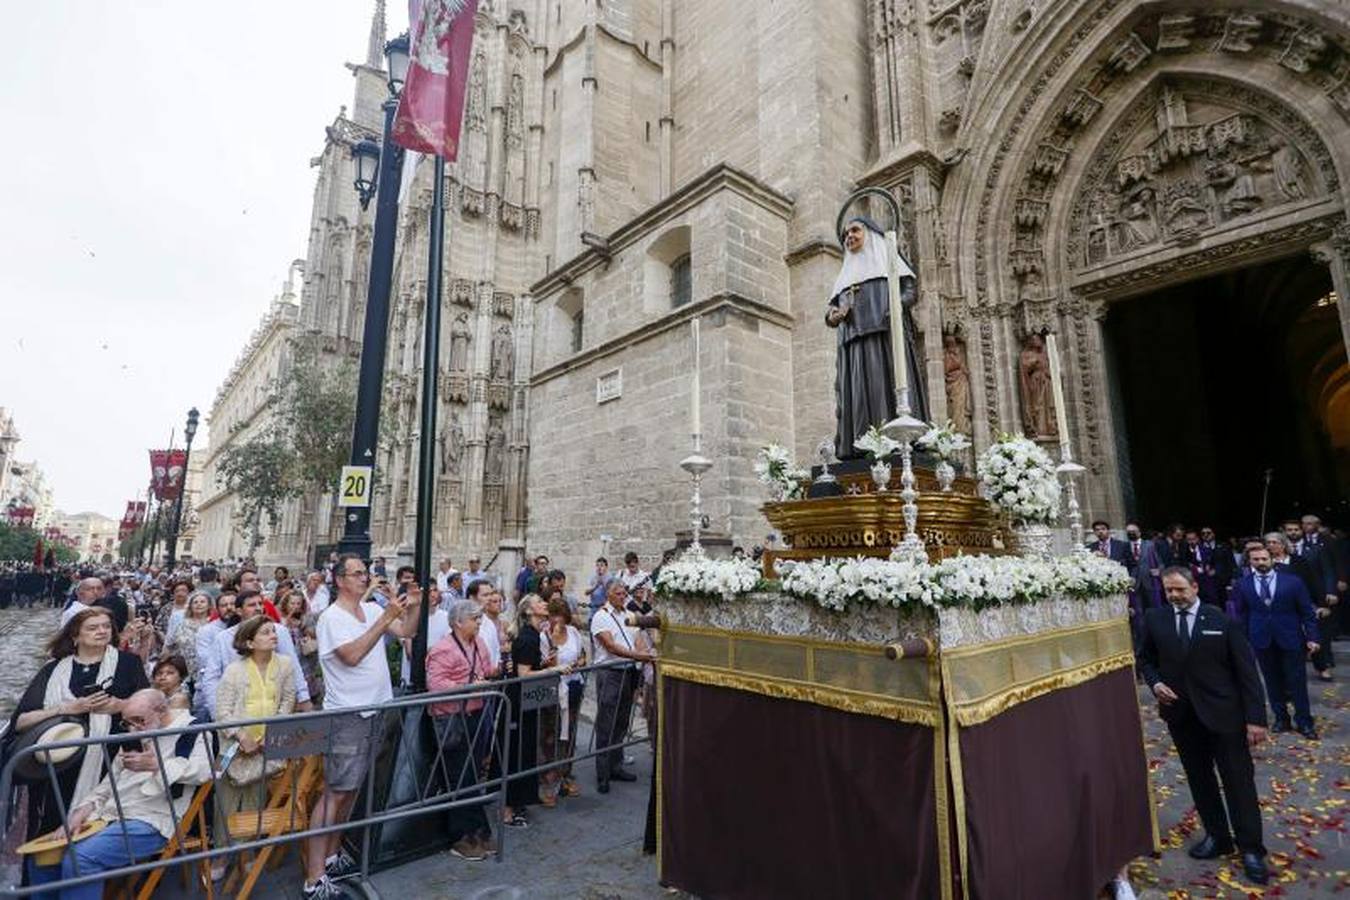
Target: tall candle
<point x="1057" y="385"/>
<point x="695" y="413"/>
<point x="898" y="348"/>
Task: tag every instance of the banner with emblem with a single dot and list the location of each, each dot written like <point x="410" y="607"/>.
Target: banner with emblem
<point x="431" y="106"/>
<point x="167" y="468"/>
<point x="128" y="523"/>
<point x="22" y="516"/>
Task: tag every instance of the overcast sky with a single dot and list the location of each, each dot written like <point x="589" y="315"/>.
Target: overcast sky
<point x="156" y="183"/>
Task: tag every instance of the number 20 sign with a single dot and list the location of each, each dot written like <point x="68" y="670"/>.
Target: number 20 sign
<point x="354" y="486"/>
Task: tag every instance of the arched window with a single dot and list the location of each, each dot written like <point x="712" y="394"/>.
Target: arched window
<point x="667" y="273"/>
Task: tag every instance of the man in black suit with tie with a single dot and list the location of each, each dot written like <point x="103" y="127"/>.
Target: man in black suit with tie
<point x="1105" y="545"/>
<point x="1203" y="672"/>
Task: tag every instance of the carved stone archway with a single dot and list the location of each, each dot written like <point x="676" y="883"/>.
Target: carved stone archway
<point x="1186" y="140"/>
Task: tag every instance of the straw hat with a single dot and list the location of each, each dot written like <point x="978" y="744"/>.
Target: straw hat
<point x="32" y="766"/>
<point x="48" y="849"/>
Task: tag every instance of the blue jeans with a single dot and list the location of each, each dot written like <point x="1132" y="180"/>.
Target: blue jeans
<point x="100" y="853"/>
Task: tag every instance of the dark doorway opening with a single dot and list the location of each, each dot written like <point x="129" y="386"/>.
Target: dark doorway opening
<point x="1221" y="379"/>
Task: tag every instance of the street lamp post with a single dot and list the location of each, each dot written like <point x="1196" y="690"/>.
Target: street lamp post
<point x="379" y="173"/>
<point x="190" y="431"/>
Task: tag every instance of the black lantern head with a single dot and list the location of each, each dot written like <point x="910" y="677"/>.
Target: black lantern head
<point x="366" y="153"/>
<point x="396" y="59"/>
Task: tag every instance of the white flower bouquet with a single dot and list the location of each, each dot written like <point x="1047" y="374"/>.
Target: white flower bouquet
<point x="717" y="579"/>
<point x="877" y="445"/>
<point x="945" y="442"/>
<point x="978" y="582"/>
<point x="1019" y="478"/>
<point x="775" y="467"/>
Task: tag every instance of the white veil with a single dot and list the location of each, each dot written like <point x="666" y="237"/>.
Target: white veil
<point x="867" y="263"/>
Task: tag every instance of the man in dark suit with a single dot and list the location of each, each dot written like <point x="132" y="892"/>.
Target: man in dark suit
<point x="1105" y="545"/>
<point x="1319" y="550"/>
<point x="1221" y="558"/>
<point x="1201" y="669"/>
<point x="1282" y="628"/>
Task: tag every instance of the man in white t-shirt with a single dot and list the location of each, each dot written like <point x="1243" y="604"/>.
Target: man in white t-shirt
<point x="355" y="674"/>
<point x="614" y="641"/>
<point x="438" y="626"/>
<point x="632" y="575"/>
<point x="487" y="597"/>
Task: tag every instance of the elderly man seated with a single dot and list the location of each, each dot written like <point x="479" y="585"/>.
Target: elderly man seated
<point x="146" y="822"/>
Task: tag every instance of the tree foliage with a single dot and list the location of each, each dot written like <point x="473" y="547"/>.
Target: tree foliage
<point x="300" y="444"/>
<point x="17" y="544"/>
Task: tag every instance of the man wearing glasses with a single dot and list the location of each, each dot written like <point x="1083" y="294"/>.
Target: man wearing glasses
<point x="355" y="676"/>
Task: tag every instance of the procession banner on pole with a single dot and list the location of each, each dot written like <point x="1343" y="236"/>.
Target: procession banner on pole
<point x="159" y="472"/>
<point x="167" y="467"/>
<point x="431" y="107"/>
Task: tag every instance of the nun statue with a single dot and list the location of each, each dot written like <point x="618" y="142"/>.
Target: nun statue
<point x="860" y="313"/>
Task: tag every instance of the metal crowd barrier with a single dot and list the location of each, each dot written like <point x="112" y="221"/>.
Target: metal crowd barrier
<point x="308" y="734"/>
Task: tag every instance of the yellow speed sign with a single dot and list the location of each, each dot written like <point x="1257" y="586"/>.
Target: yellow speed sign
<point x="354" y="486"/>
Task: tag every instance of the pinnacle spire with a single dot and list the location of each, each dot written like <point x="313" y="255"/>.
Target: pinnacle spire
<point x="375" y="49"/>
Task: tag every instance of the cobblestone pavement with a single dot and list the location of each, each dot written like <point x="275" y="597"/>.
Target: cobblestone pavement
<point x="1304" y="788"/>
<point x="23" y="633"/>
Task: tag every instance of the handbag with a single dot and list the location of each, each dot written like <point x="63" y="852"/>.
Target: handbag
<point x="248" y="768"/>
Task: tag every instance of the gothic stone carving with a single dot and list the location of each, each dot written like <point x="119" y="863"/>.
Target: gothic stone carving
<point x="503" y="304"/>
<point x="957" y="378"/>
<point x="1189" y="157"/>
<point x="461" y="292"/>
<point x="1033" y="376"/>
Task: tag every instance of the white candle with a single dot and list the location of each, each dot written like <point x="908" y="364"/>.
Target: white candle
<point x="897" y="327"/>
<point x="1057" y="385"/>
<point x="695" y="414"/>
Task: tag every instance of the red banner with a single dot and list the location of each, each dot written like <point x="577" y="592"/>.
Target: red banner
<point x="21" y="516"/>
<point x="166" y="470"/>
<point x="129" y="522"/>
<point x="431" y="107"/>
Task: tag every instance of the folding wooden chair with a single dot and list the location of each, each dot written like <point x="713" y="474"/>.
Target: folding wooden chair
<point x="289" y="798"/>
<point x="190" y="837"/>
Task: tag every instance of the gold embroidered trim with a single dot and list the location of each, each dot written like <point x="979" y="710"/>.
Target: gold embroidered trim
<point x="944" y="831"/>
<point x="974" y="712"/>
<point x="910" y="711"/>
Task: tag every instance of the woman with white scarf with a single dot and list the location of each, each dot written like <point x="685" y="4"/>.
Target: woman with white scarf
<point x="860" y="312"/>
<point x="87" y="677"/>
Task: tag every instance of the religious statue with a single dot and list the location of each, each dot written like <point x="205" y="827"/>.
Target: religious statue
<point x="1038" y="402"/>
<point x="860" y="312"/>
<point x="958" y="382"/>
<point x="1287" y="169"/>
<point x="452" y="445"/>
<point x="501" y="355"/>
<point x="496" y="446"/>
<point x="459" y="343"/>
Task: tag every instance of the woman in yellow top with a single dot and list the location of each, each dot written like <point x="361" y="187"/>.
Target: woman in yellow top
<point x="260" y="684"/>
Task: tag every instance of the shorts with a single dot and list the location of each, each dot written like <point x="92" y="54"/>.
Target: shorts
<point x="351" y="747"/>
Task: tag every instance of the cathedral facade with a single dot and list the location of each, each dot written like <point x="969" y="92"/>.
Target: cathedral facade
<point x="1145" y="180"/>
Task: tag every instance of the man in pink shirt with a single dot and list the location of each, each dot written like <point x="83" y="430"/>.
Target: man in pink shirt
<point x="457" y="660"/>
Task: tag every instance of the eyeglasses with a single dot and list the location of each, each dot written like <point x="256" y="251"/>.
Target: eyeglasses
<point x="361" y="574"/>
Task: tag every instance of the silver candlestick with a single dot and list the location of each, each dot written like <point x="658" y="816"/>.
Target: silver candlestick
<point x="1070" y="470"/>
<point x="906" y="429"/>
<point x="696" y="464"/>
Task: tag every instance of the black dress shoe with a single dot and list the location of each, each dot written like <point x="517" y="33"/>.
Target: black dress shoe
<point x="1310" y="733"/>
<point x="1254" y="867"/>
<point x="622" y="775"/>
<point x="1280" y="727"/>
<point x="1209" y="848"/>
<point x="603" y="787"/>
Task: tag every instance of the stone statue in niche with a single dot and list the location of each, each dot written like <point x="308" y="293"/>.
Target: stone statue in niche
<point x="452" y="445"/>
<point x="501" y="354"/>
<point x="459" y="343"/>
<point x="495" y="454"/>
<point x="957" y="377"/>
<point x="1038" y="404"/>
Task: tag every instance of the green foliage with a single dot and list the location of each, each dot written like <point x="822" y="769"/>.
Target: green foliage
<point x="138" y="541"/>
<point x="261" y="472"/>
<point x="18" y="543"/>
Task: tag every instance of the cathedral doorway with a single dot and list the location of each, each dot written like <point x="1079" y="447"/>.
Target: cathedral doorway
<point x="1219" y="381"/>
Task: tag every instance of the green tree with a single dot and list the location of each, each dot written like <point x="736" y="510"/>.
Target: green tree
<point x="17" y="544"/>
<point x="299" y="444"/>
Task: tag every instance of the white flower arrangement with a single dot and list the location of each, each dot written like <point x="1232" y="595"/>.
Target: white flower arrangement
<point x="944" y="442"/>
<point x="775" y="467"/>
<point x="973" y="581"/>
<point x="1019" y="478"/>
<point x="723" y="579"/>
<point x="876" y="445"/>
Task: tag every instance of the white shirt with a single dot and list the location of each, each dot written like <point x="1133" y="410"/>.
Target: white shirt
<point x="568" y="652"/>
<point x="491" y="637"/>
<point x="209" y="669"/>
<point x="438" y="626"/>
<point x="319" y="602"/>
<point x="364" y="684"/>
<point x="632" y="579"/>
<point x="1270" y="581"/>
<point x="1191" y="612"/>
<point x="610" y="621"/>
<point x="443" y="580"/>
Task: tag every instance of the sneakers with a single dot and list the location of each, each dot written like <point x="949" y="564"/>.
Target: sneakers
<point x="323" y="889"/>
<point x="340" y="865"/>
<point x="466" y="848"/>
<point x="486" y="844"/>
